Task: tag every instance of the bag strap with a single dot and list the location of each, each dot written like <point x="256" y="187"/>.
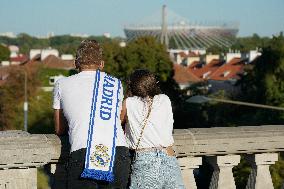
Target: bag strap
<point x="145" y="123"/>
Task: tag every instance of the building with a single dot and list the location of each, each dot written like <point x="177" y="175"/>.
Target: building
<point x="55" y="62"/>
<point x="14" y="50"/>
<point x="5" y="63"/>
<point x="43" y="53"/>
<point x="220" y="73"/>
<point x="34" y="53"/>
<point x="82" y="35"/>
<point x="106" y="34"/>
<point x="184" y="77"/>
<point x="19" y="59"/>
<point x="178" y="33"/>
<point x="67" y="57"/>
<point x="8" y="34"/>
<point x="47" y="52"/>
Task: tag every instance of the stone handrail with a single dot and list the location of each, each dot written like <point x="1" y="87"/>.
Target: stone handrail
<point x="222" y="147"/>
<point x="21" y="153"/>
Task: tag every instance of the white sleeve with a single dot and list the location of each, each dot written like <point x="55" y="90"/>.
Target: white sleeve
<point x="170" y="111"/>
<point x="56" y="96"/>
<point x="169" y="119"/>
<point x="120" y="98"/>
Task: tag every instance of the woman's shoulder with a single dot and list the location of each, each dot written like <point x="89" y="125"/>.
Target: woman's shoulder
<point x="162" y="97"/>
<point x="132" y="99"/>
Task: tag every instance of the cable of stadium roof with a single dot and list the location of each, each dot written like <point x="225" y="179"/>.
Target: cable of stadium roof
<point x="201" y="34"/>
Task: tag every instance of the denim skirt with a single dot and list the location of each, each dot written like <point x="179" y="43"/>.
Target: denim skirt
<point x="155" y="170"/>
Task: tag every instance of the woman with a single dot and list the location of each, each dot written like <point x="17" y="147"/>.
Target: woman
<point x="149" y="127"/>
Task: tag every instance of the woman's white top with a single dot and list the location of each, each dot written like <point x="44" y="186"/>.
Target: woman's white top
<point x="158" y="131"/>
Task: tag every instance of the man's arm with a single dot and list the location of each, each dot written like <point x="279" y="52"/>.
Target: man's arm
<point x="60" y="122"/>
<point x="123" y="113"/>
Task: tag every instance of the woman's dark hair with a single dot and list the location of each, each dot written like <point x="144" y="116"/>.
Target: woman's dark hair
<point x="143" y="83"/>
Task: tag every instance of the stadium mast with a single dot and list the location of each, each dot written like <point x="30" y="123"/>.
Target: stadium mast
<point x="164" y="35"/>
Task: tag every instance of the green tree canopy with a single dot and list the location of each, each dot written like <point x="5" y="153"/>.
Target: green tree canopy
<point x="265" y="82"/>
<point x="4" y="53"/>
<point x="216" y="49"/>
<point x="12" y="95"/>
<point x="141" y="53"/>
<point x="245" y="44"/>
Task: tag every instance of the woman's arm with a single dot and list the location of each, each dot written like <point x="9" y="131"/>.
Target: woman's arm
<point x="60" y="122"/>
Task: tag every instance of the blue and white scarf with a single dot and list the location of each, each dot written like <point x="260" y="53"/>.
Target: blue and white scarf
<point x="101" y="145"/>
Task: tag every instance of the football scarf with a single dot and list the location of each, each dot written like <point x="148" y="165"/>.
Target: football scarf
<point x="100" y="152"/>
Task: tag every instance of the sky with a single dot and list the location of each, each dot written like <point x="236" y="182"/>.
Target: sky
<point x="95" y="17"/>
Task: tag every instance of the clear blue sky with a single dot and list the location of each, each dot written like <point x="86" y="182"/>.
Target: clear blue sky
<point x="94" y="17"/>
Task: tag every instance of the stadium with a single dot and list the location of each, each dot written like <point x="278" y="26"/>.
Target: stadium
<point x="177" y="33"/>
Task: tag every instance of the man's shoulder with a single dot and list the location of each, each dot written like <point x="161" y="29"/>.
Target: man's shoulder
<point x="66" y="79"/>
<point x="109" y="75"/>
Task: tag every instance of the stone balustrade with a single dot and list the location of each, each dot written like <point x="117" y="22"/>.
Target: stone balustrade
<point x="21" y="154"/>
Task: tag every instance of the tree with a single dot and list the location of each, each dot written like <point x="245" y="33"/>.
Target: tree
<point x="4" y="53"/>
<point x="146" y="53"/>
<point x="12" y="96"/>
<point x="114" y="57"/>
<point x="215" y="49"/>
<point x="245" y="44"/>
<point x="264" y="84"/>
<point x="141" y="53"/>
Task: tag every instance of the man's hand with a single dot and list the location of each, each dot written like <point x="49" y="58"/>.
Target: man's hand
<point x="60" y="122"/>
<point x="123" y="114"/>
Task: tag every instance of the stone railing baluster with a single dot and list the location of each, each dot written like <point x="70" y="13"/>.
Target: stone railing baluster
<point x="222" y="177"/>
<point x="187" y="165"/>
<point x="260" y="176"/>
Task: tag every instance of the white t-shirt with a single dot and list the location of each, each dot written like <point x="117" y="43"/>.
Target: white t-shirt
<point x="74" y="95"/>
<point x="158" y="131"/>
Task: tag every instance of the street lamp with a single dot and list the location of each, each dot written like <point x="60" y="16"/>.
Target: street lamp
<point x="26" y="104"/>
<point x="202" y="99"/>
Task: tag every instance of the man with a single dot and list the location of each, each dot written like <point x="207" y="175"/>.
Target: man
<point x="87" y="107"/>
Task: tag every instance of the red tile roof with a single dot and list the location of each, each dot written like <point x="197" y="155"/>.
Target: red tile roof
<point x="54" y="62"/>
<point x="199" y="70"/>
<point x="193" y="64"/>
<point x="230" y="70"/>
<point x="19" y="58"/>
<point x="218" y="70"/>
<point x="190" y="54"/>
<point x="183" y="75"/>
<point x="182" y="54"/>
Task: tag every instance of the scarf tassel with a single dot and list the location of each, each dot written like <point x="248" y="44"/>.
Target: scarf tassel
<point x="98" y="175"/>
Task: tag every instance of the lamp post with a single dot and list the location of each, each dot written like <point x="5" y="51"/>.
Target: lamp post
<point x="26" y="104"/>
<point x="202" y="99"/>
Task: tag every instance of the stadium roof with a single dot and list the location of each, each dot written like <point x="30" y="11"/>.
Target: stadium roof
<point x="177" y="32"/>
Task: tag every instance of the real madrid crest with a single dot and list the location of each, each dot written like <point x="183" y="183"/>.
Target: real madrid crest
<point x="100" y="156"/>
